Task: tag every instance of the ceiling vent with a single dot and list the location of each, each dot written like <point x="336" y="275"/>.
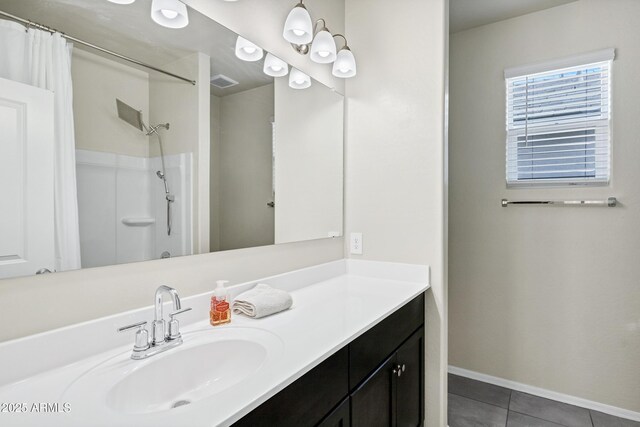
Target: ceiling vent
<point x="222" y="82"/>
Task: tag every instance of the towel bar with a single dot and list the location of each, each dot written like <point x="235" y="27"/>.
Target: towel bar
<point x="611" y="202"/>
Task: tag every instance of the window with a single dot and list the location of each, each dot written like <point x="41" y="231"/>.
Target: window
<point x="558" y="121"/>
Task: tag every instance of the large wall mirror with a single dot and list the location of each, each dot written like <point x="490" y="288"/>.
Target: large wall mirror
<point x="104" y="161"/>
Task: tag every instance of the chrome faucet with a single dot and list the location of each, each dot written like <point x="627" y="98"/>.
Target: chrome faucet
<point x="161" y="339"/>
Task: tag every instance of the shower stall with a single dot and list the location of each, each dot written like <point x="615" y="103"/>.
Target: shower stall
<point x="134" y="118"/>
<point x="143" y="210"/>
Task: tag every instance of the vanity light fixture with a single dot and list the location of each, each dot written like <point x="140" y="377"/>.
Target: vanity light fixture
<point x="170" y="13"/>
<point x="345" y="63"/>
<point x="298" y="79"/>
<point x="319" y="44"/>
<point x="122" y="1"/>
<point x="274" y="66"/>
<point x="323" y="48"/>
<point x="248" y="51"/>
<point x="298" y="28"/>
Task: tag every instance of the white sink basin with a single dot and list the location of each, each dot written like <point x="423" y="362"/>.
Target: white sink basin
<point x="209" y="362"/>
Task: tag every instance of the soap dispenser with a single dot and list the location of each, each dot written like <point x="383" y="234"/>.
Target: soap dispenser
<point x="220" y="305"/>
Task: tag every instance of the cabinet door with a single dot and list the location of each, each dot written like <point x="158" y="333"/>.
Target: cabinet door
<point x="372" y="404"/>
<point x="380" y="342"/>
<point x="340" y="417"/>
<point x="410" y="384"/>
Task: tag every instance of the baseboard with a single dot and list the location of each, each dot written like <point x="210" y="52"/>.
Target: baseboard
<point x="548" y="394"/>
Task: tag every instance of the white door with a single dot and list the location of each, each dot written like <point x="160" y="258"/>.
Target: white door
<point x="26" y="179"/>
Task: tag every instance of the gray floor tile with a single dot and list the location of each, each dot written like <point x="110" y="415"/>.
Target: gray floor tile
<point x="516" y="419"/>
<point x="606" y="420"/>
<point x="550" y="410"/>
<point x="465" y="412"/>
<point x="477" y="390"/>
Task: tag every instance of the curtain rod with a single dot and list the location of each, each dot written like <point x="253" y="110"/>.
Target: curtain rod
<point x="101" y="49"/>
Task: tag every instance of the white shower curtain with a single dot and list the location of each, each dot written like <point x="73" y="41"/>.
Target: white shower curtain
<point x="42" y="59"/>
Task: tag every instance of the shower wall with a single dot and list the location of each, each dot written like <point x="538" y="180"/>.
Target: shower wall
<point x="121" y="201"/>
<point x="186" y="107"/>
<point x="122" y="207"/>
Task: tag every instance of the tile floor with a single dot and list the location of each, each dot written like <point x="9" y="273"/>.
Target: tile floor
<point x="477" y="404"/>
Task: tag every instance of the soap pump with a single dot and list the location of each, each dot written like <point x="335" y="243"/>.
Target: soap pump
<point x="220" y="305"/>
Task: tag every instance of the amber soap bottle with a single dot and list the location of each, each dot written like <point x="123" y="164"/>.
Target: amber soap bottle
<point x="220" y="305"/>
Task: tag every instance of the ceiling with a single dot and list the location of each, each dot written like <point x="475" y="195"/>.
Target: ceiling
<point x="129" y="30"/>
<point x="466" y="14"/>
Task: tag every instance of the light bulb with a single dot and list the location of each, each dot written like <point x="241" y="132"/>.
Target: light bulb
<point x="345" y="65"/>
<point x="298" y="79"/>
<point x="323" y="48"/>
<point x="274" y="66"/>
<point x="298" y="28"/>
<point x="248" y="51"/>
<point x="170" y="13"/>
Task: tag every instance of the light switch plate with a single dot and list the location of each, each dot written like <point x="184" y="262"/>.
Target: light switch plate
<point x="356" y="243"/>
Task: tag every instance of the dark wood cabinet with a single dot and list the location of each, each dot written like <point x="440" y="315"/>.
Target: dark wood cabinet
<point x="339" y="417"/>
<point x="410" y="384"/>
<point x="308" y="400"/>
<point x="372" y="403"/>
<point x="394" y="394"/>
<point x="376" y="380"/>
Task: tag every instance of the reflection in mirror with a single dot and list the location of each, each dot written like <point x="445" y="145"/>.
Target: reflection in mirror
<point x="121" y="162"/>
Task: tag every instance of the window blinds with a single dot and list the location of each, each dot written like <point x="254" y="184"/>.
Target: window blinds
<point x="558" y="125"/>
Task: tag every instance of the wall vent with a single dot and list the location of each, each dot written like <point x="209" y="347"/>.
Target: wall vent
<point x="222" y="82"/>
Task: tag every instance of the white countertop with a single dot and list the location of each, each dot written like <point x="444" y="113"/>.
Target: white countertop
<point x="333" y="304"/>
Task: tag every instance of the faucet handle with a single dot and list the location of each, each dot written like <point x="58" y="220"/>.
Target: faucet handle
<point x="175" y="313"/>
<point x="142" y="335"/>
<point x="132" y="326"/>
<point x="174" y="325"/>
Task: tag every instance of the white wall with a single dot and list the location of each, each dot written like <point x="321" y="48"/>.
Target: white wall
<point x="92" y="293"/>
<point x="309" y="162"/>
<point x="214" y="175"/>
<point x="245" y="169"/>
<point x="395" y="155"/>
<point x="97" y="82"/>
<point x="545" y="296"/>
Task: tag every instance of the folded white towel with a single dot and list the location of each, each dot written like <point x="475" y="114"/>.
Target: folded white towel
<point x="261" y="301"/>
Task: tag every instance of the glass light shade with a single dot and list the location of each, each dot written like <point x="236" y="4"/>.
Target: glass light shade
<point x="298" y="28"/>
<point x="248" y="51"/>
<point x="298" y="79"/>
<point x="122" y="1"/>
<point x="345" y="65"/>
<point x="275" y="67"/>
<point x="170" y="13"/>
<point x="323" y="48"/>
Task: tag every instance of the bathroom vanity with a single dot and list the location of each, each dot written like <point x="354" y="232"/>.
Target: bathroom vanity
<point x="377" y="379"/>
<point x="349" y="352"/>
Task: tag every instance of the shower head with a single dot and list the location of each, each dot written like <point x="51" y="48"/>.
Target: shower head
<point x="160" y="174"/>
<point x="130" y="115"/>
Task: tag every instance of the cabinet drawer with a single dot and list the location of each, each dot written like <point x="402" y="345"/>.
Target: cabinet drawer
<point x="307" y="400"/>
<point x="375" y="345"/>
